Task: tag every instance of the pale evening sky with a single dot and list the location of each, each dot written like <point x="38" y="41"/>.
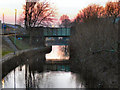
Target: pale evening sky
<point x="69" y="7"/>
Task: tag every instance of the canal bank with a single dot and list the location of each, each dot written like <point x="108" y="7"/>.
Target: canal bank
<point x="93" y="52"/>
<point x="11" y="61"/>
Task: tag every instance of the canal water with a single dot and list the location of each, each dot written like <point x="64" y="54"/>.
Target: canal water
<point x="48" y="76"/>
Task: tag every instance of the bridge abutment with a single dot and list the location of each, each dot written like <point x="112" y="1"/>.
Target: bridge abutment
<point x="37" y="36"/>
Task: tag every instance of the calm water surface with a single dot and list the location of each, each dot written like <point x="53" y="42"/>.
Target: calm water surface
<point x="51" y="76"/>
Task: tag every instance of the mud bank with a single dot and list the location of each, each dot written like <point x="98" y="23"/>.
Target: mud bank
<point x="24" y="57"/>
<point x="94" y="54"/>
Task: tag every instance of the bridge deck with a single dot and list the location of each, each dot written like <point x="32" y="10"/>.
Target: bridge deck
<point x="57" y="32"/>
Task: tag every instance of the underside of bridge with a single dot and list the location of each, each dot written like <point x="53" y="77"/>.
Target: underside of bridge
<point x="56" y="41"/>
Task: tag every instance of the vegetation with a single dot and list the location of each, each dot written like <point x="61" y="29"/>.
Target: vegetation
<point x="94" y="11"/>
<point x="65" y="21"/>
<point x="6" y="49"/>
<point x="6" y="52"/>
<point x="20" y="44"/>
<point x="92" y="44"/>
<point x="37" y="14"/>
<point x="112" y="9"/>
<point x="90" y="12"/>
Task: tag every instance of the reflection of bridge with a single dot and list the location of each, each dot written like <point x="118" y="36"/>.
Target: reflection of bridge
<point x="57" y="36"/>
<point x="55" y="67"/>
<point x="57" y="32"/>
<point x="57" y="41"/>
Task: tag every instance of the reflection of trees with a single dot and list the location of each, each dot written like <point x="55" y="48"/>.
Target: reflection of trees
<point x="26" y="79"/>
<point x="65" y="50"/>
<point x="30" y="80"/>
<point x="30" y="69"/>
<point x="34" y="79"/>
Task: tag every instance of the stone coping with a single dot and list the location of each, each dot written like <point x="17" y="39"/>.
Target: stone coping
<point x="11" y="55"/>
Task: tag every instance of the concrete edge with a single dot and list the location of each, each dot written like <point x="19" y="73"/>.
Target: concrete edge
<point x="11" y="55"/>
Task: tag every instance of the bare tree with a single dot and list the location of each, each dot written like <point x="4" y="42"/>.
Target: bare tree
<point x="91" y="12"/>
<point x="38" y="14"/>
<point x="21" y="20"/>
<point x="112" y="9"/>
<point x="65" y="21"/>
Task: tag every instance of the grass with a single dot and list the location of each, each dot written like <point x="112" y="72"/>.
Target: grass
<point x="6" y="52"/>
<point x="20" y="44"/>
<point x="6" y="49"/>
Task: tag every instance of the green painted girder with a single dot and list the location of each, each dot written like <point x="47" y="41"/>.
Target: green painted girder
<point x="57" y="32"/>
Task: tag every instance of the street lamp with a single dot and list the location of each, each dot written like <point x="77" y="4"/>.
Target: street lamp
<point x="15" y="29"/>
<point x="3" y="24"/>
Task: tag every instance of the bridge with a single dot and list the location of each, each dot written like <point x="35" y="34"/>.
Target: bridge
<point x="56" y="36"/>
<point x="56" y="32"/>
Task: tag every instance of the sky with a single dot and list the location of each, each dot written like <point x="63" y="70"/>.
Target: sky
<point x="68" y="7"/>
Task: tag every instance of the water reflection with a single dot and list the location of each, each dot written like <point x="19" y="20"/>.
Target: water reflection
<point x="55" y="76"/>
<point x="36" y="73"/>
<point x="65" y="68"/>
<point x="58" y="53"/>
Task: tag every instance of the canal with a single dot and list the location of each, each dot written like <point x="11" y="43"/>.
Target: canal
<point x="33" y="75"/>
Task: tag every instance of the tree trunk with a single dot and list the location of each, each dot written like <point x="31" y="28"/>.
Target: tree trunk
<point x="30" y="41"/>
